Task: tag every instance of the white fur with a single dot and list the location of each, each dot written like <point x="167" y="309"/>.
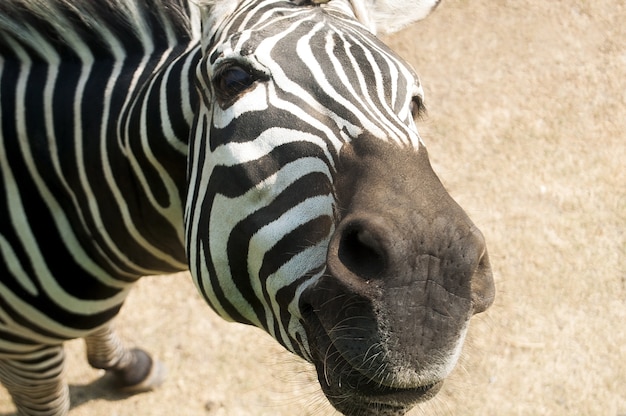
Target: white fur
<point x="442" y="365"/>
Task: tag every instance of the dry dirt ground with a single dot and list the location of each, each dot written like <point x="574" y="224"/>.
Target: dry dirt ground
<point x="526" y="127"/>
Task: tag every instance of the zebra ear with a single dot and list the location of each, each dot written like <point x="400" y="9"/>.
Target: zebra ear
<point x="213" y="12"/>
<point x="388" y="16"/>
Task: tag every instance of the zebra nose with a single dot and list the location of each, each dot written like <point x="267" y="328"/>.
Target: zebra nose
<point x="483" y="290"/>
<point x="359" y="249"/>
<point x="366" y="248"/>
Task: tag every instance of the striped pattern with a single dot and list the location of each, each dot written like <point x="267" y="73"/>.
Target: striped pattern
<point x="91" y="188"/>
<point x="34" y="382"/>
<point x="106" y="147"/>
<point x="261" y="207"/>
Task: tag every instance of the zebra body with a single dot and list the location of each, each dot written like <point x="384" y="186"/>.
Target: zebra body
<point x="147" y="137"/>
<point x="70" y="119"/>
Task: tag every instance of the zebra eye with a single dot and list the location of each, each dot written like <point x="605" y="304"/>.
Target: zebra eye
<point x="232" y="81"/>
<point x="418" y="109"/>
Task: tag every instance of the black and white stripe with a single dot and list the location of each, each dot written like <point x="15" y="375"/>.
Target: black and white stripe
<point x="261" y="204"/>
<point x="114" y="129"/>
<point x="91" y="187"/>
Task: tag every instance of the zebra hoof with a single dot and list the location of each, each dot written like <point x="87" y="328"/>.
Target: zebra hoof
<point x="143" y="374"/>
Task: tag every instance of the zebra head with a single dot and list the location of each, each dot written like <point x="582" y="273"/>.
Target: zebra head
<point x="312" y="210"/>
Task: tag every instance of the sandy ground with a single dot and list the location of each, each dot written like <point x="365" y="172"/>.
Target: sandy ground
<point x="526" y="127"/>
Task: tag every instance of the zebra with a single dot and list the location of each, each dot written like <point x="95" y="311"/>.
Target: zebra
<point x="267" y="146"/>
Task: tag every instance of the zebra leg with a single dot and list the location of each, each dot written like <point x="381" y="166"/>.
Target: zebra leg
<point x="134" y="370"/>
<point x="36" y="382"/>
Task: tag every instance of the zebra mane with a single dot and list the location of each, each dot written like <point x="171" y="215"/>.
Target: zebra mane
<point x="40" y="25"/>
<point x="62" y="22"/>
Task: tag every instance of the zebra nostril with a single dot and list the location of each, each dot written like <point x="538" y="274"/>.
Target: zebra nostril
<point x="361" y="251"/>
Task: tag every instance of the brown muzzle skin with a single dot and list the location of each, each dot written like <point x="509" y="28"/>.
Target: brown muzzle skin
<point x="406" y="269"/>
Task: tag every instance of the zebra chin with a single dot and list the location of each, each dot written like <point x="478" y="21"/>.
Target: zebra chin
<point x="358" y="371"/>
<point x="351" y="389"/>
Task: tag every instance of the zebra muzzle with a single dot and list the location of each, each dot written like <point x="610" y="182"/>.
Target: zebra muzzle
<point x="405" y="271"/>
